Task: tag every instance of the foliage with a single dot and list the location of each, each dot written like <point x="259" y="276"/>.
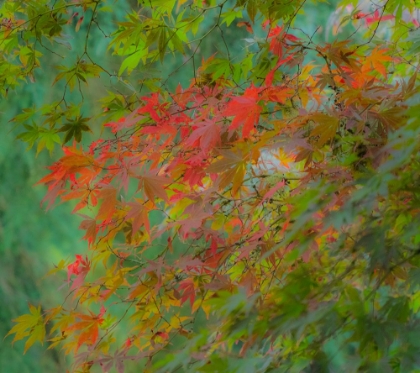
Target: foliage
<point x="262" y="218"/>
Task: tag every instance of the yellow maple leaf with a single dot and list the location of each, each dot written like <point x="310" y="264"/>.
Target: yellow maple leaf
<point x="30" y="325"/>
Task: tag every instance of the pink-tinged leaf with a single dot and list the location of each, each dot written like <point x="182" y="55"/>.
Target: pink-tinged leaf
<point x="359" y="15"/>
<point x="206" y="133"/>
<point x="189" y="264"/>
<point x="140" y="217"/>
<point x="101" y="312"/>
<point x="274" y="190"/>
<point x="156" y="267"/>
<point x="377" y="18"/>
<point x="54" y="190"/>
<point x="160" y="130"/>
<point x="194" y="221"/>
<point x="119" y="365"/>
<point x="125" y="122"/>
<point x="246" y="250"/>
<point x="194" y="172"/>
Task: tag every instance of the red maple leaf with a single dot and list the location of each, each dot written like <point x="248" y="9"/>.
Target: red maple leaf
<point x="80" y="267"/>
<point x="205" y="134"/>
<point x="276" y="42"/>
<point x="246" y="110"/>
<point x="189" y="291"/>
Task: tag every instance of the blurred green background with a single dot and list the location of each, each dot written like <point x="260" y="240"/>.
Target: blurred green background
<point x="31" y="239"/>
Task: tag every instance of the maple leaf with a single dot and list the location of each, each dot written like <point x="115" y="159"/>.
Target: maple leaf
<point x="82" y="194"/>
<point x="376" y="18"/>
<point x="326" y="129"/>
<point x="89" y="225"/>
<point x="206" y="133"/>
<point x="74" y="161"/>
<point x="273" y="190"/>
<point x="108" y="195"/>
<point x="278" y="94"/>
<point x="138" y="289"/>
<point x="140" y="217"/>
<point x="194" y="221"/>
<point x="153" y="186"/>
<point x="194" y="170"/>
<point x="125" y="122"/>
<point x="188" y="291"/>
<point x="161" y="129"/>
<point x="270" y="76"/>
<point x="392" y="118"/>
<point x="377" y="59"/>
<point x="31" y="325"/>
<point x="153" y="107"/>
<point x="54" y="190"/>
<point x="182" y="97"/>
<point x="88" y="327"/>
<point x="230" y="159"/>
<point x="80" y="268"/>
<point x="246" y="111"/>
<point x="234" y="167"/>
<point x="285" y="159"/>
<point x="306" y="155"/>
<point x="71" y="163"/>
<point x="276" y="42"/>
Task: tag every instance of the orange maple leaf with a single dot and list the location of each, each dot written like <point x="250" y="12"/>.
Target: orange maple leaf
<point x="153" y="186"/>
<point x="377" y="60"/>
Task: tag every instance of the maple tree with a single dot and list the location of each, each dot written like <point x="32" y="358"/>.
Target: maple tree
<point x="262" y="218"/>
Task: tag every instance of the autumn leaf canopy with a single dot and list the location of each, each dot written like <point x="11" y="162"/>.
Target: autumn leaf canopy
<point x="252" y="211"/>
